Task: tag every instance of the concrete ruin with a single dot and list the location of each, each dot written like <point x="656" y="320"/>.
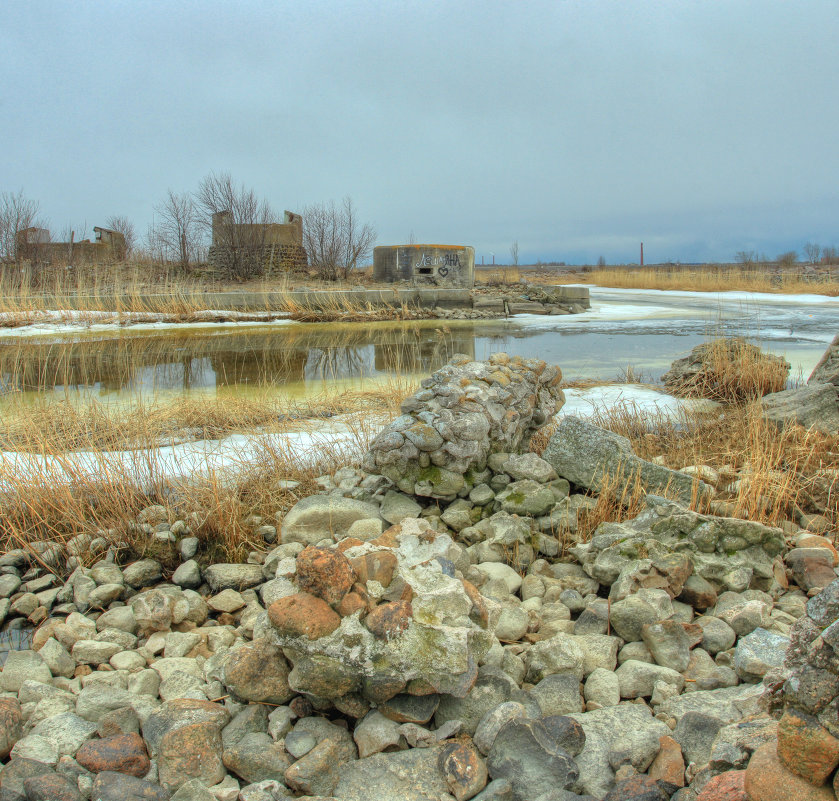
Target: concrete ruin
<point x="35" y="245"/>
<point x="438" y="265"/>
<point x="257" y="248"/>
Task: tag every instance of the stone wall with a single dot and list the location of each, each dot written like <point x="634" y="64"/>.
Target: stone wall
<point x="257" y="248"/>
<point x="268" y="259"/>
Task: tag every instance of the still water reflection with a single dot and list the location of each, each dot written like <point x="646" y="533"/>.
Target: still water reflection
<point x="305" y="359"/>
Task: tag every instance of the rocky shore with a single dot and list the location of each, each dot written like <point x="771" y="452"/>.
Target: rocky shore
<point x="429" y="628"/>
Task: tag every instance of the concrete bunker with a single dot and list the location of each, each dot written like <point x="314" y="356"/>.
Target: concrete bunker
<point x="437" y="265"/>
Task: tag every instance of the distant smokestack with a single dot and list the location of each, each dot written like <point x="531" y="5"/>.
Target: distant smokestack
<point x="642" y="254"/>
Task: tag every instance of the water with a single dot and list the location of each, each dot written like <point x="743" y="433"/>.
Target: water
<point x="14" y="639"/>
<point x="641" y="329"/>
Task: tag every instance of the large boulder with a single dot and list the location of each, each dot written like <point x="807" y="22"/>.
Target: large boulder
<point x="321" y="517"/>
<point x="463" y="413"/>
<point x="383" y="617"/>
<point x="814" y="406"/>
<point x="827" y="370"/>
<point x="591" y="457"/>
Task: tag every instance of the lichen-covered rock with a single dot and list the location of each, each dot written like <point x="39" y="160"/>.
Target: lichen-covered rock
<point x="590" y="456"/>
<point x="717" y="547"/>
<point x="421" y="627"/>
<point x="322" y="517"/>
<point x="812" y="406"/>
<point x="827" y="370"/>
<point x="463" y="413"/>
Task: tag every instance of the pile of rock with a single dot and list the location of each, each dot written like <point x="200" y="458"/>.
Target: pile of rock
<point x="439" y="446"/>
<point x="805" y="754"/>
<point x="441" y="644"/>
<point x="382" y="617"/>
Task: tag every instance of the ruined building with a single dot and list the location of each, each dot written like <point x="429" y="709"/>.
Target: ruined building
<point x="242" y="249"/>
<point x="437" y="265"/>
<point x="35" y="245"/>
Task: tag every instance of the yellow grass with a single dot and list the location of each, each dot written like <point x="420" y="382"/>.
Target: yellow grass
<point x="144" y="289"/>
<point x="783" y="470"/>
<point x="734" y="370"/>
<point x="495" y="276"/>
<point x="709" y="278"/>
<point x="43" y="504"/>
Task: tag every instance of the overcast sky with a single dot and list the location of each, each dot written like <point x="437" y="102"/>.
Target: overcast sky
<point x="578" y="129"/>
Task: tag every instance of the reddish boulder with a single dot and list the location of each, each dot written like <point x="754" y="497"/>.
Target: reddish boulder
<point x="123" y="753"/>
<point x="351" y="603"/>
<point x="811" y="567"/>
<point x="10" y="726"/>
<point x="191" y="752"/>
<point x="768" y="780"/>
<point x="324" y="573"/>
<point x="730" y="786"/>
<point x="303" y="614"/>
<point x="669" y="764"/>
<point x="806" y="748"/>
<point x="376" y="566"/>
<point x="389" y="620"/>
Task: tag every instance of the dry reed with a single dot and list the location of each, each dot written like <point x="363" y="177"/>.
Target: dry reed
<point x="709" y="278"/>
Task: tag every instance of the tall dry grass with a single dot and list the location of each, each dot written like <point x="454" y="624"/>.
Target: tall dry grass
<point x="732" y="370"/>
<point x="768" y="474"/>
<point x="86" y="293"/>
<point x="709" y="278"/>
<point x="498" y="275"/>
<point x="91" y="470"/>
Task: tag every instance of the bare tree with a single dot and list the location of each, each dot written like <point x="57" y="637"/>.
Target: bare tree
<point x="788" y="258"/>
<point x="241" y="233"/>
<point x="745" y="257"/>
<point x="601" y="261"/>
<point x="812" y="251"/>
<point x="175" y="234"/>
<point x="514" y="253"/>
<point x="16" y="213"/>
<point x="830" y="255"/>
<point x="334" y="238"/>
<point x="125" y="227"/>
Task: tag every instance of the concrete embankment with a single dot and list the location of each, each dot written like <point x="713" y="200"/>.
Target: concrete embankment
<point x="259" y="301"/>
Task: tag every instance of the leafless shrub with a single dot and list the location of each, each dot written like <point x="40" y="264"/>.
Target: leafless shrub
<point x="244" y="237"/>
<point x="813" y="252"/>
<point x="334" y="238"/>
<point x="175" y="234"/>
<point x="16" y="213"/>
<point x="125" y="227"/>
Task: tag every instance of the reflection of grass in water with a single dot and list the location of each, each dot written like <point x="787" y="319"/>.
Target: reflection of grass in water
<point x="50" y="427"/>
<point x="292" y="359"/>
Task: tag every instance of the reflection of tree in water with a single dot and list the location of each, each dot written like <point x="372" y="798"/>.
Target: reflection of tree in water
<point x="330" y="364"/>
<point x="206" y="359"/>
